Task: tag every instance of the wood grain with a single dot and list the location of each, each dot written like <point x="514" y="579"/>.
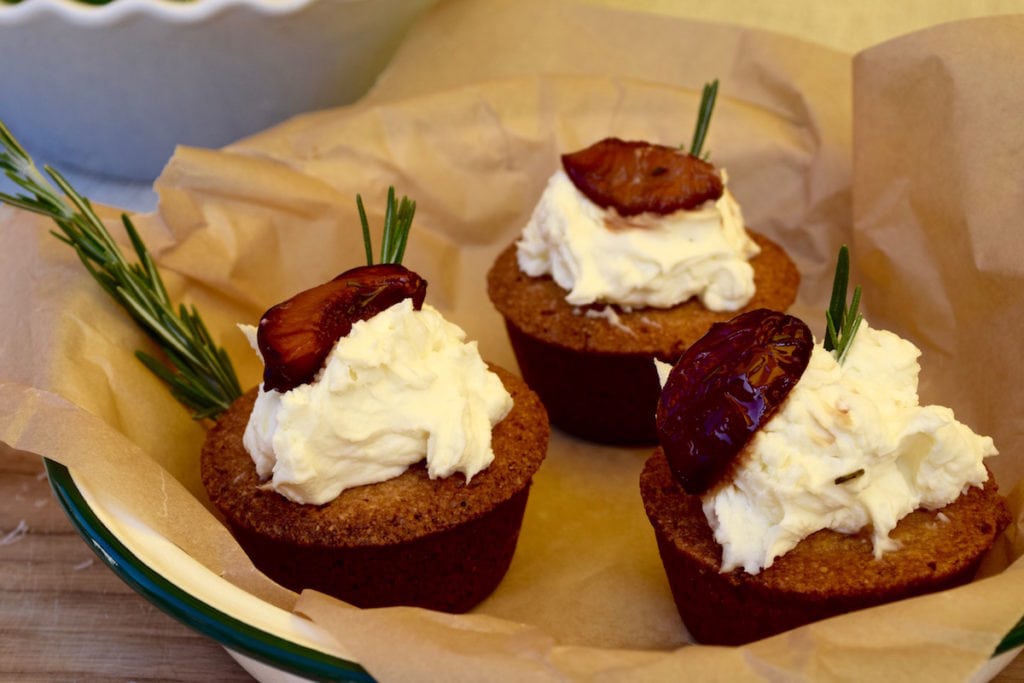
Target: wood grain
<point x="65" y="616"/>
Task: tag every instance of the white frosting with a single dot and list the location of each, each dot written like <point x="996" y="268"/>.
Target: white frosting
<point x="608" y="313"/>
<point x="400" y="386"/>
<point x="838" y="420"/>
<point x="644" y="260"/>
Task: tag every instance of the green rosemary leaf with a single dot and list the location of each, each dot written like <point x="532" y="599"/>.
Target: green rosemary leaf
<point x="837" y="305"/>
<point x="707" y="106"/>
<point x="185" y="391"/>
<point x="197" y="372"/>
<point x="23" y="202"/>
<point x="389" y="228"/>
<point x="848" y="337"/>
<point x="841" y="321"/>
<point x="233" y="388"/>
<point x="86" y="215"/>
<point x="188" y="325"/>
<point x="202" y="333"/>
<point x="831" y="334"/>
<point x="105" y="280"/>
<point x="398" y="217"/>
<point x="153" y="278"/>
<point x="853" y="311"/>
<point x="181" y="382"/>
<point x="210" y="352"/>
<point x="156" y="367"/>
<point x="133" y="288"/>
<point x="162" y="335"/>
<point x="366" y="230"/>
<point x="63" y="238"/>
<point x="406" y="211"/>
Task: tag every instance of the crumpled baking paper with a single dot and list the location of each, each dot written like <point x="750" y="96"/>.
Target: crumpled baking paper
<point x="909" y="152"/>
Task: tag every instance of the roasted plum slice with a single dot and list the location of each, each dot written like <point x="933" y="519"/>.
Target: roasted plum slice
<point x="296" y="336"/>
<point x="727" y="384"/>
<point x="634" y="177"/>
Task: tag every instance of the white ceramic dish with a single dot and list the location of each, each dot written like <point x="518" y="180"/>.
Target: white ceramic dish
<point x="112" y="89"/>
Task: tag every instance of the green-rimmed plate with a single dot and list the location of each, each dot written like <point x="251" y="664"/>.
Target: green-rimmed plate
<point x="274" y="638"/>
<point x="257" y="634"/>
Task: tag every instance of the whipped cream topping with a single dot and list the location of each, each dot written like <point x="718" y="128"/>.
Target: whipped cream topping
<point x="399" y="387"/>
<point x="644" y="260"/>
<point x="850" y="448"/>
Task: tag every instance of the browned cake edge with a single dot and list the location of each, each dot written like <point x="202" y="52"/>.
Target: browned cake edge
<point x="828" y="573"/>
<point x="537" y="307"/>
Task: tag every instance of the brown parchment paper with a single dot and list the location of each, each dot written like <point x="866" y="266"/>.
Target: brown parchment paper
<point x="469" y="121"/>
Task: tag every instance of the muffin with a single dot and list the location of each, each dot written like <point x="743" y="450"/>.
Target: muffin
<point x="826" y="574"/>
<point x="651" y="273"/>
<point x="381" y="460"/>
<point x="797" y="481"/>
<point x="443" y="544"/>
<point x="605" y="353"/>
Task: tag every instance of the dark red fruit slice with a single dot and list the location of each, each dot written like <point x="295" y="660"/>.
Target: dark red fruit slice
<point x="296" y="336"/>
<point x="728" y="384"/>
<point x="633" y="177"/>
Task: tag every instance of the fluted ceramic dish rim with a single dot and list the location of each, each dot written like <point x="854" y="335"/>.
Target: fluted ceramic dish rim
<point x="173" y="11"/>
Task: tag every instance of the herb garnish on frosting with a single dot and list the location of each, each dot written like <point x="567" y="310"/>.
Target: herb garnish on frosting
<point x="296" y="336"/>
<point x="700" y="131"/>
<point x="841" y="322"/>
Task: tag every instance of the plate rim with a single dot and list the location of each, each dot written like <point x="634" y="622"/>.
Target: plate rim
<point x="197" y="614"/>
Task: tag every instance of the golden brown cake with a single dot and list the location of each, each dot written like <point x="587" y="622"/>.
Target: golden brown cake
<point x="441" y="544"/>
<point x="596" y="377"/>
<point x="826" y="574"/>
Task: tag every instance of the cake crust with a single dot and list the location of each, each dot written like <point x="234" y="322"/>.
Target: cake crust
<point x="537" y="307"/>
<point x="826" y="574"/>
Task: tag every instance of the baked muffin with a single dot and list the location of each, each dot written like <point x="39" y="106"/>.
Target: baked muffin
<point x="826" y="574"/>
<point x="605" y="353"/>
<point x="632" y="252"/>
<point x="381" y="460"/>
<point x="443" y="544"/>
<point x="798" y="481"/>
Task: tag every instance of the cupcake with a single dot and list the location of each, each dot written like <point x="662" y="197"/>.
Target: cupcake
<point x="798" y="481"/>
<point x="380" y="461"/>
<point x="632" y="252"/>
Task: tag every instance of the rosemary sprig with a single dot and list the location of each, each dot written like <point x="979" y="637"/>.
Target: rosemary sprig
<point x="198" y="372"/>
<point x="841" y="323"/>
<point x="397" y="223"/>
<point x="707" y="106"/>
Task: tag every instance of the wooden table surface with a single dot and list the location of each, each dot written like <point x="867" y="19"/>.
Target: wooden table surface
<point x="65" y="616"/>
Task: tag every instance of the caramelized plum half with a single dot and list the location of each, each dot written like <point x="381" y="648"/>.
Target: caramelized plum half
<point x="296" y="336"/>
<point x="634" y="177"/>
<point x="729" y="383"/>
